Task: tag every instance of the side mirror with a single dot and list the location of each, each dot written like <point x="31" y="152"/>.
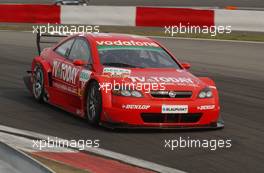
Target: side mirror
<point x="79" y="62"/>
<point x="186" y="65"/>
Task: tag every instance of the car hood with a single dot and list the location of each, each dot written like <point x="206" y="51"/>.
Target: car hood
<point x="171" y="79"/>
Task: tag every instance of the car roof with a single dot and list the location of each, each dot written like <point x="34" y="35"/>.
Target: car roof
<point x="117" y="36"/>
<point x="115" y="39"/>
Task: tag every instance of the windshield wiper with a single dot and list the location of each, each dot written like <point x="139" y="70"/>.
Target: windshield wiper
<point x="116" y="64"/>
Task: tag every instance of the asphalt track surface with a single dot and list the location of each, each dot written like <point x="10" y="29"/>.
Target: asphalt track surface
<point x="200" y="3"/>
<point x="236" y="67"/>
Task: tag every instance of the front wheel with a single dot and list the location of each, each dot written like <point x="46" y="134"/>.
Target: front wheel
<point x="93" y="103"/>
<point x="38" y="83"/>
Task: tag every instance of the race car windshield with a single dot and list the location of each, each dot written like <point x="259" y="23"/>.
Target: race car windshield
<point x="136" y="57"/>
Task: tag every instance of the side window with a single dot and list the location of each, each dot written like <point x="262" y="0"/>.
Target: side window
<point x="65" y="48"/>
<point x="80" y="50"/>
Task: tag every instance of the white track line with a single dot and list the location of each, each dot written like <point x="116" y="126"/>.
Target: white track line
<point x="99" y="151"/>
<point x="27" y="144"/>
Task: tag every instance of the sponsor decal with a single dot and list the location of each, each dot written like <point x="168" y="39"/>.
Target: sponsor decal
<point x="206" y="107"/>
<point x="180" y="109"/>
<point x="85" y="75"/>
<point x="162" y="79"/>
<point x="65" y="88"/>
<point x="139" y="107"/>
<point x="118" y="72"/>
<point x="127" y="43"/>
<point x="65" y="72"/>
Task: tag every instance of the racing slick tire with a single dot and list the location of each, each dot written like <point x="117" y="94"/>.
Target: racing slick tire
<point x="93" y="103"/>
<point x="38" y="83"/>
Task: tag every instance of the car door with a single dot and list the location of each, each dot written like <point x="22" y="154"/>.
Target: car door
<point x="62" y="74"/>
<point x="80" y="51"/>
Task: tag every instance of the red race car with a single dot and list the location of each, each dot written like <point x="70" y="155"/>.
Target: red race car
<point x="123" y="81"/>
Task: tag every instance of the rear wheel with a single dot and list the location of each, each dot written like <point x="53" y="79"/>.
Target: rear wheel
<point x="93" y="103"/>
<point x="38" y="83"/>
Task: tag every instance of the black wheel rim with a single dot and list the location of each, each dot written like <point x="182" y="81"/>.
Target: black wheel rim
<point x="38" y="82"/>
<point x="92" y="105"/>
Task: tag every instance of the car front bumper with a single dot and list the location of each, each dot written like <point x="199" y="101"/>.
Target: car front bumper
<point x="117" y="116"/>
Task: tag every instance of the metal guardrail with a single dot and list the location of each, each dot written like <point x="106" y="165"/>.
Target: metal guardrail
<point x="14" y="161"/>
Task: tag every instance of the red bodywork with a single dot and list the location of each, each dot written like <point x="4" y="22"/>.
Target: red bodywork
<point x="71" y="95"/>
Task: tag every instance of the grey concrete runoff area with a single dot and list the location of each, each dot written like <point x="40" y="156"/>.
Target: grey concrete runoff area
<point x="182" y="3"/>
<point x="14" y="161"/>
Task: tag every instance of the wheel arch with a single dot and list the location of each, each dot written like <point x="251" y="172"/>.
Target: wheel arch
<point x="106" y="97"/>
<point x="207" y="81"/>
<point x="47" y="69"/>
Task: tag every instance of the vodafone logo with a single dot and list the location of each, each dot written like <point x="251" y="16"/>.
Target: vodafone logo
<point x="126" y="43"/>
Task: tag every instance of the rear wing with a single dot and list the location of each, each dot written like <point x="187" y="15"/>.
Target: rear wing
<point x="42" y="39"/>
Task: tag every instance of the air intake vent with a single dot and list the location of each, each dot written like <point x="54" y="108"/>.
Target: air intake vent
<point x="171" y="118"/>
<point x="171" y="94"/>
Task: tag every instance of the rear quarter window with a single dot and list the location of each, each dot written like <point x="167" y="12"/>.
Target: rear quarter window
<point x="64" y="48"/>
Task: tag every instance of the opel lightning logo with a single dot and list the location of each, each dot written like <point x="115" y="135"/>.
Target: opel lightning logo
<point x="172" y="94"/>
